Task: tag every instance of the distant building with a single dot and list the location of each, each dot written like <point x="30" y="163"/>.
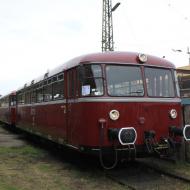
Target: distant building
<point x="183" y="74"/>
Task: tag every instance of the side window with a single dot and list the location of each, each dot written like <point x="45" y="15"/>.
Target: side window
<point x="3" y="102"/>
<point x="7" y="101"/>
<point x="20" y="98"/>
<point x="58" y="87"/>
<point x="27" y="97"/>
<point x="39" y="94"/>
<point x="48" y="92"/>
<point x="33" y="95"/>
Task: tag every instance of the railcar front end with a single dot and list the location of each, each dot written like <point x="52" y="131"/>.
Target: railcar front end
<point x="130" y="107"/>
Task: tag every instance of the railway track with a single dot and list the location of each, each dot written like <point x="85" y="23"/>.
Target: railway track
<point x="140" y="176"/>
<point x="135" y="175"/>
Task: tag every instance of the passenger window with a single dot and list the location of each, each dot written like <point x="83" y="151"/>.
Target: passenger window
<point x="58" y="87"/>
<point x="33" y="96"/>
<point x="27" y="97"/>
<point x="39" y="93"/>
<point x="48" y="92"/>
<point x="20" y="98"/>
<point x="60" y="77"/>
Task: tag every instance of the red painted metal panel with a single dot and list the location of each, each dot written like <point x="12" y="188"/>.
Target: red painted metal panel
<point x="141" y="116"/>
<point x="48" y="119"/>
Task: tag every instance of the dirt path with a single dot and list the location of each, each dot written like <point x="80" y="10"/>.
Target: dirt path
<point x="10" y="140"/>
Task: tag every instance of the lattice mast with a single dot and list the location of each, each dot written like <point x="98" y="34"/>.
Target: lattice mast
<point x="107" y="27"/>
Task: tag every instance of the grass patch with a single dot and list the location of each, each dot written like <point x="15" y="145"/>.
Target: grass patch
<point x="44" y="167"/>
<point x="25" y="150"/>
<point x="26" y="167"/>
<point x="4" y="186"/>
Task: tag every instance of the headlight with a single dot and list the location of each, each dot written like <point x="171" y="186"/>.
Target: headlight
<point x="114" y="115"/>
<point x="143" y="58"/>
<point x="173" y="113"/>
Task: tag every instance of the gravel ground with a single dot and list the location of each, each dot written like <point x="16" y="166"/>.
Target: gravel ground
<point x="25" y="166"/>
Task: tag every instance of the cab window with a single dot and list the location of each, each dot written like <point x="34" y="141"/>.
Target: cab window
<point x="91" y="80"/>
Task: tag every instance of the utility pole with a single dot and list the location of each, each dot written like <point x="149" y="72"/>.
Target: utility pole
<point x="107" y="25"/>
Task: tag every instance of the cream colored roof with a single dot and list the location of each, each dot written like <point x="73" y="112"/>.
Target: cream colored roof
<point x="184" y="67"/>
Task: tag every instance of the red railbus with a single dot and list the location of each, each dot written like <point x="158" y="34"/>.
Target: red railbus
<point x="106" y="103"/>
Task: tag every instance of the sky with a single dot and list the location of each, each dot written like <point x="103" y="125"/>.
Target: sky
<point x="38" y="35"/>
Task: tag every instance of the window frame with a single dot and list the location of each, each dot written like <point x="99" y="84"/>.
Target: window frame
<point x="79" y="82"/>
<point x="172" y="77"/>
<point x="20" y="97"/>
<point x="127" y="65"/>
<point x="51" y="89"/>
<point x="57" y="81"/>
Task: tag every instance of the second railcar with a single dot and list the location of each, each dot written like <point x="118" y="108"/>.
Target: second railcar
<point x="8" y="109"/>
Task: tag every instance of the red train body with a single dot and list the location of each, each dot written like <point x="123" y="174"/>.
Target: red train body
<point x="99" y="102"/>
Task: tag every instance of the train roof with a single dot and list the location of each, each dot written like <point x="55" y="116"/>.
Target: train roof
<point x="116" y="57"/>
<point x="9" y="94"/>
<point x="107" y="58"/>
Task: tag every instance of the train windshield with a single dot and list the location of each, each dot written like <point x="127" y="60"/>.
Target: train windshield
<point x="159" y="82"/>
<point x="124" y="81"/>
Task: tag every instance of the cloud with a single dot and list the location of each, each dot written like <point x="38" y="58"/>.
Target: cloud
<point x="36" y="35"/>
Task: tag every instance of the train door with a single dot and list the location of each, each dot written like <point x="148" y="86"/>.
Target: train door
<point x="72" y="106"/>
<point x="57" y="111"/>
<point x="12" y="109"/>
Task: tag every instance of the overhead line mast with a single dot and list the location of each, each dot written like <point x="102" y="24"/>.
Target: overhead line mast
<point x="107" y="25"/>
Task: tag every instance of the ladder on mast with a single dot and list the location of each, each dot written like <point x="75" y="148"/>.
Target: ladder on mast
<point x="107" y="27"/>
